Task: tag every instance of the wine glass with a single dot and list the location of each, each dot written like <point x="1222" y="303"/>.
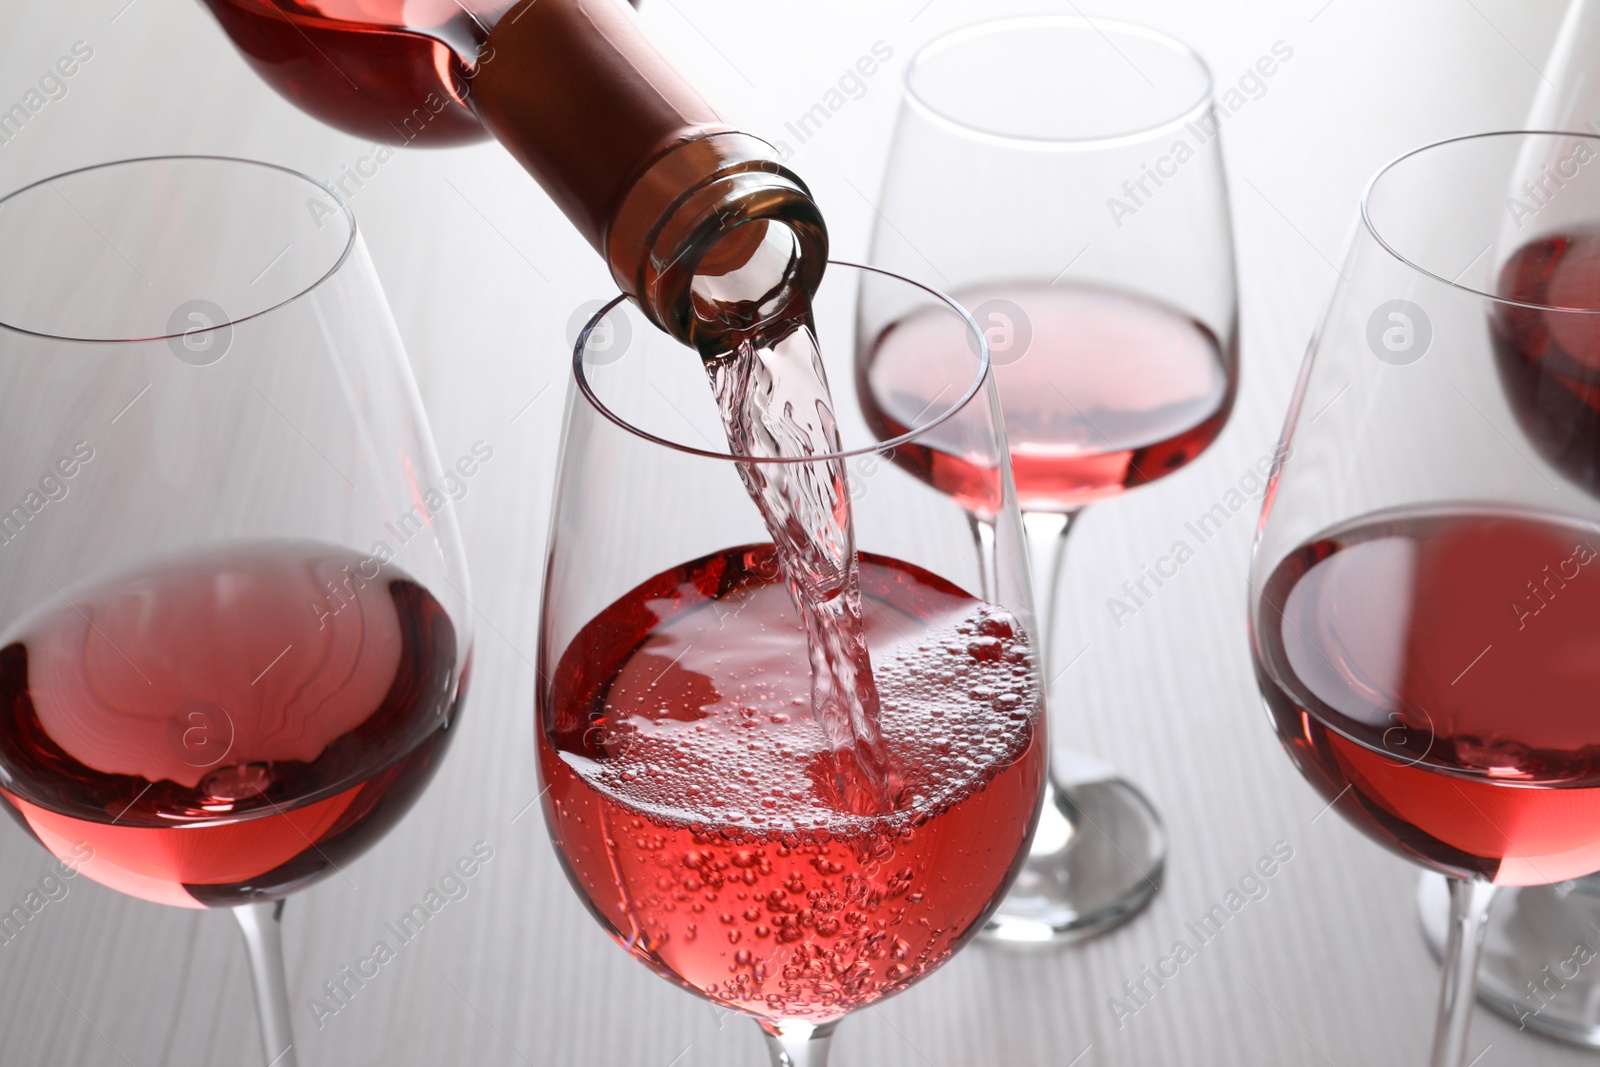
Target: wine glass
<point x="1532" y="971"/>
<point x="1424" y="606"/>
<point x="1063" y="179"/>
<point x="692" y="795"/>
<point x="235" y="634"/>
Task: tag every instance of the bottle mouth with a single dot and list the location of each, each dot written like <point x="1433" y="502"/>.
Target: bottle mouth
<point x="165" y="248"/>
<point x="592" y="358"/>
<point x="700" y="211"/>
<point x="750" y="242"/>
<point x="750" y="279"/>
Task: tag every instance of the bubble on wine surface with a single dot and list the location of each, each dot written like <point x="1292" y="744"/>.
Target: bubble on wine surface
<point x="715" y="756"/>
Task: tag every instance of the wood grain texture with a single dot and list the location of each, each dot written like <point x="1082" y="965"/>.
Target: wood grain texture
<point x="484" y="277"/>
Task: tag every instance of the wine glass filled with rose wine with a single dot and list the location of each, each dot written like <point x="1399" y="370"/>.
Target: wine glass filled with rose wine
<point x="790" y="727"/>
<point x="1425" y="593"/>
<point x="1063" y="179"/>
<point x="233" y="639"/>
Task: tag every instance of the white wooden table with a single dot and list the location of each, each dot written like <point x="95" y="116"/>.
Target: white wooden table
<point x="484" y="275"/>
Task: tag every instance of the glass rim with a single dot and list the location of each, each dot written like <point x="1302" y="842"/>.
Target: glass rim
<point x="1201" y="104"/>
<point x="1372" y="228"/>
<point x="985" y="367"/>
<point x="344" y="253"/>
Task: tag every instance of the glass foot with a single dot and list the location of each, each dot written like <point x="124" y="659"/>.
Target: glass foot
<point x="1541" y="958"/>
<point x="1097" y="858"/>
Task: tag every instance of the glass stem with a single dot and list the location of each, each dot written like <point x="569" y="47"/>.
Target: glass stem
<point x="263" y="937"/>
<point x="798" y="1044"/>
<point x="1046" y="532"/>
<point x="1470" y="899"/>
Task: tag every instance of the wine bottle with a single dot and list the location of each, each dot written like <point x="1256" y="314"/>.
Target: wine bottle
<point x="648" y="170"/>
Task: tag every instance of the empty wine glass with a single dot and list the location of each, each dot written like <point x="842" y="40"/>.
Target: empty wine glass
<point x="693" y="797"/>
<point x="234" y="627"/>
<point x="1063" y="179"/>
<point x="1424" y="599"/>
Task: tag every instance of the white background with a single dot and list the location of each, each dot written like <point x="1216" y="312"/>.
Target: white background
<point x="484" y="275"/>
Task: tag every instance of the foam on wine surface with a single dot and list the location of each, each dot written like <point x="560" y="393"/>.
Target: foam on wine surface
<point x="678" y="718"/>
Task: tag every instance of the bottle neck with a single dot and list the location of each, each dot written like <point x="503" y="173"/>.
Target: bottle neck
<point x="644" y="166"/>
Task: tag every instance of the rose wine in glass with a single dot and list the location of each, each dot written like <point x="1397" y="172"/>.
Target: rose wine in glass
<point x="1450" y="718"/>
<point x="1112" y="324"/>
<point x="1114" y="391"/>
<point x="693" y="796"/>
<point x="234" y="643"/>
<point x="1550" y="362"/>
<point x="713" y="813"/>
<point x="281" y="727"/>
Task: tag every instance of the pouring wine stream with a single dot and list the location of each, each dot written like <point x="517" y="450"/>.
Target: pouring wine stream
<point x="755" y="332"/>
